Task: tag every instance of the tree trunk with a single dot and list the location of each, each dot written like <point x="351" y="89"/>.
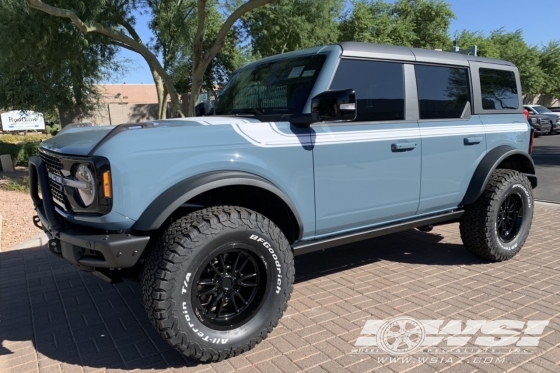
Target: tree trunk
<point x="161" y="94"/>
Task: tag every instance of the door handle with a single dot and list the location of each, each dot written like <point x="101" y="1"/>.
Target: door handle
<point x="472" y="140"/>
<point x="403" y="146"/>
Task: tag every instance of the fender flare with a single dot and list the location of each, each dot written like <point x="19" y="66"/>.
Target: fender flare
<point x="489" y="163"/>
<point x="165" y="204"/>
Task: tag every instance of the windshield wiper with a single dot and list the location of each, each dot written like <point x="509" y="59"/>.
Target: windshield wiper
<point x="246" y="111"/>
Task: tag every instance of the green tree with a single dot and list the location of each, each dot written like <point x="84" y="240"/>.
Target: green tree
<point x="220" y="68"/>
<point x="45" y="65"/>
<point x="413" y="23"/>
<point x="288" y="25"/>
<point x="485" y="46"/>
<point x="550" y="66"/>
<point x="512" y="47"/>
<point x="125" y="36"/>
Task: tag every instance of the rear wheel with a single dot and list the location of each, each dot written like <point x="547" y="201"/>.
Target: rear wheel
<point x="218" y="281"/>
<point x="496" y="226"/>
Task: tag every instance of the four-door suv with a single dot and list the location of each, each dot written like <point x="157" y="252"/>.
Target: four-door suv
<point x="303" y="151"/>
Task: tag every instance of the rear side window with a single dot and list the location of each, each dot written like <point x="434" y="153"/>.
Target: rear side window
<point x="498" y="89"/>
<point x="443" y="92"/>
<point x="379" y="88"/>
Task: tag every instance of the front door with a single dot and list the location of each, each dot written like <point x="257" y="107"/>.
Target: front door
<point x="367" y="171"/>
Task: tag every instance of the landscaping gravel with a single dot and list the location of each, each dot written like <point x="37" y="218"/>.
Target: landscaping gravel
<point x="17" y="213"/>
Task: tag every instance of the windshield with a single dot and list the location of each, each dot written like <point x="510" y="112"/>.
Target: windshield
<point x="277" y="87"/>
<point x="541" y="109"/>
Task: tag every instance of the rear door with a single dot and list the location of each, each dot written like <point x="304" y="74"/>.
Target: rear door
<point x="368" y="171"/>
<point x="453" y="140"/>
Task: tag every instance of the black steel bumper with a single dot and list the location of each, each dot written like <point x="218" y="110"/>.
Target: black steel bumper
<point x="85" y="247"/>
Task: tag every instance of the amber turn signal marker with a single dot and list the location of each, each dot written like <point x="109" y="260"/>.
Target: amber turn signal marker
<point x="107" y="191"/>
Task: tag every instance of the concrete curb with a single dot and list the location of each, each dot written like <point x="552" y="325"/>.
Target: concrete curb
<point x="0" y="233"/>
<point x="548" y="204"/>
<point x="37" y="241"/>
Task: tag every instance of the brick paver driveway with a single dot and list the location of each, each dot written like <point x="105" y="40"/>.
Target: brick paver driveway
<point x="55" y="319"/>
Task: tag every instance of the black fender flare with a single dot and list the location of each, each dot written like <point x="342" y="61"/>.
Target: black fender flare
<point x="165" y="204"/>
<point x="489" y="163"/>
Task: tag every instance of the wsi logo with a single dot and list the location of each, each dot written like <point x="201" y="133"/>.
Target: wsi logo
<point x="405" y="335"/>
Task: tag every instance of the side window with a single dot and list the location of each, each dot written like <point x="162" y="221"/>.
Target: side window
<point x="443" y="92"/>
<point x="498" y="89"/>
<point x="379" y="88"/>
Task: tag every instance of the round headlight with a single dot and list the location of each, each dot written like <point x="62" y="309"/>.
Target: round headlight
<point x="87" y="194"/>
<point x="534" y="120"/>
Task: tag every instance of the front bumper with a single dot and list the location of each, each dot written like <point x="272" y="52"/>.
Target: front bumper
<point x="87" y="248"/>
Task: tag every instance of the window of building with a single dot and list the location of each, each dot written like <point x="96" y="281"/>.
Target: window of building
<point x="379" y="88"/>
<point x="443" y="92"/>
<point x="498" y="89"/>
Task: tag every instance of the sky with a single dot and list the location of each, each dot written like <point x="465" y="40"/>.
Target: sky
<point x="539" y="20"/>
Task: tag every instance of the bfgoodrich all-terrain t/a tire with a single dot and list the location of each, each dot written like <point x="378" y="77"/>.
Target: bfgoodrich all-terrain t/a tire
<point x="217" y="282"/>
<point x="496" y="226"/>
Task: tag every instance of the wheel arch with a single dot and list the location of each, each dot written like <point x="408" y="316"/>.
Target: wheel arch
<point x="500" y="157"/>
<point x="162" y="208"/>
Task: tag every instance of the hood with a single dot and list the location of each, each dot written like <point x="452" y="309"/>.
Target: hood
<point x="76" y="141"/>
<point x="81" y="141"/>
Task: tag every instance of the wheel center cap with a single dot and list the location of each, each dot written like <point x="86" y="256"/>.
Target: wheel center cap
<point x="227" y="283"/>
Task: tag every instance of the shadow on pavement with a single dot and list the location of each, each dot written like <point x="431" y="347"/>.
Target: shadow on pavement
<point x="73" y="317"/>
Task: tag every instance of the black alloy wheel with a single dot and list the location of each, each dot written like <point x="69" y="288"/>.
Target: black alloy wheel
<point x="229" y="287"/>
<point x="510" y="218"/>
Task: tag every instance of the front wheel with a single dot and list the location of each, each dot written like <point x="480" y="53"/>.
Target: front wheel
<point x="218" y="281"/>
<point x="497" y="224"/>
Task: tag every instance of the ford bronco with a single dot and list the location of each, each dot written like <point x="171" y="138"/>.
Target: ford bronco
<point x="302" y="151"/>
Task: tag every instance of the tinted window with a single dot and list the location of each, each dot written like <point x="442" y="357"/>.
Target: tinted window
<point x="443" y="92"/>
<point x="498" y="89"/>
<point x="379" y="88"/>
<point x="281" y="86"/>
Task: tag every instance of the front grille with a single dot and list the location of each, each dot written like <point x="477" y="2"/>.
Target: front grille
<point x="545" y="121"/>
<point x="54" y="166"/>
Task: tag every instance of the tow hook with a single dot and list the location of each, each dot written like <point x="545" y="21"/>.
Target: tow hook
<point x="54" y="247"/>
<point x="37" y="222"/>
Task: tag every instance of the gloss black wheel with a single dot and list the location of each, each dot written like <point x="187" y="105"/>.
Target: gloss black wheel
<point x="229" y="287"/>
<point x="510" y="217"/>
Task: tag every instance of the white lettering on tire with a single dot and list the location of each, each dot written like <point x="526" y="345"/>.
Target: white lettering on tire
<point x="526" y="193"/>
<point x="267" y="245"/>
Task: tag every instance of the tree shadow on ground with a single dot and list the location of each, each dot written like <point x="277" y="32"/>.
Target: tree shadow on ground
<point x="74" y="318"/>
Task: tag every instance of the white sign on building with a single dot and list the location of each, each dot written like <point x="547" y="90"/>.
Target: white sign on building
<point x="22" y="120"/>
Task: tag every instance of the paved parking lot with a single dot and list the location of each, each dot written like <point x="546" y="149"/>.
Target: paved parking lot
<point x="55" y="319"/>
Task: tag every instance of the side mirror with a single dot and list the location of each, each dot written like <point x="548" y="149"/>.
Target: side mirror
<point x="337" y="105"/>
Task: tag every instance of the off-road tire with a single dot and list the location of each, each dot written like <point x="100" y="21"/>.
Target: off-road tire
<point x="179" y="252"/>
<point x="478" y="224"/>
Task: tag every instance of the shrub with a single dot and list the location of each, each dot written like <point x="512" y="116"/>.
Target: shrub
<point x="20" y="152"/>
<point x="53" y="129"/>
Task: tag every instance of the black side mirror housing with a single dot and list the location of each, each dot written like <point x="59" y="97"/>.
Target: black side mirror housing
<point x="329" y="106"/>
<point x="337" y="105"/>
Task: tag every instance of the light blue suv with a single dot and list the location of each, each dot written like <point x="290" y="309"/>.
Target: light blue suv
<point x="303" y="151"/>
